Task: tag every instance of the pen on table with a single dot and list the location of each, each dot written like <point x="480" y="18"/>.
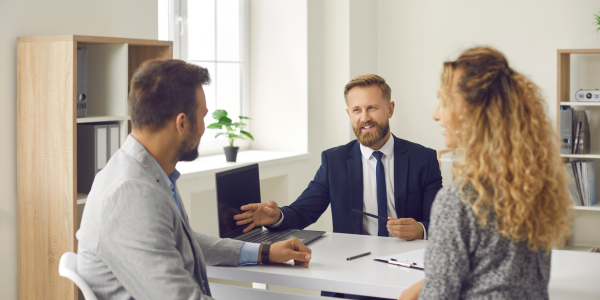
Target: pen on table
<point x="357" y="256"/>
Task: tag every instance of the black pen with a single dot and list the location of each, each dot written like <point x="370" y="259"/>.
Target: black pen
<point x="369" y="215"/>
<point x="357" y="256"/>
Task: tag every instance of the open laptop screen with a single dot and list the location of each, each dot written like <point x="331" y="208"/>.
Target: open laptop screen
<point x="235" y="188"/>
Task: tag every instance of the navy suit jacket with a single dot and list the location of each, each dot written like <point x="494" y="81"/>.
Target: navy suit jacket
<point x="339" y="182"/>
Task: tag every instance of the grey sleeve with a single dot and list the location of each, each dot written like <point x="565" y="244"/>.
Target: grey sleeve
<point x="217" y="251"/>
<point x="447" y="253"/>
<point x="137" y="243"/>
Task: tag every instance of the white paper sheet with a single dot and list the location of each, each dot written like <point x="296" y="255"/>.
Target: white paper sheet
<point x="416" y="256"/>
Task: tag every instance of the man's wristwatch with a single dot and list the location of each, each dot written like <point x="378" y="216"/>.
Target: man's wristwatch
<point x="264" y="254"/>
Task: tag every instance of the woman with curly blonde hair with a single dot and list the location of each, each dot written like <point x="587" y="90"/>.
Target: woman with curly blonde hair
<point x="493" y="228"/>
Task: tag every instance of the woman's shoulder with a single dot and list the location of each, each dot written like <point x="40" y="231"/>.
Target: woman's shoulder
<point x="450" y="199"/>
<point x="450" y="195"/>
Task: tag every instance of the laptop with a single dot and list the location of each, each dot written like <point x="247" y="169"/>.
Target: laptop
<point x="239" y="187"/>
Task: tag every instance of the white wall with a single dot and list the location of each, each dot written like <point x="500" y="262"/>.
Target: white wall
<point x="132" y="19"/>
<point x="415" y="37"/>
<point x="278" y="75"/>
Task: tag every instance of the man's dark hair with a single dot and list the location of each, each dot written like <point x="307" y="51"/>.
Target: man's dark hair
<point x="161" y="89"/>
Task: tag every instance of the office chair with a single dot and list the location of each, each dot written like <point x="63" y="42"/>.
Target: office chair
<point x="68" y="268"/>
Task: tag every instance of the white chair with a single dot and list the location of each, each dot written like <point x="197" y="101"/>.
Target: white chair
<point x="68" y="268"/>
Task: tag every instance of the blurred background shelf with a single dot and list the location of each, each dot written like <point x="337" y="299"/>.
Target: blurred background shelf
<point x="583" y="156"/>
<point x="575" y="103"/>
<point x="94" y="119"/>
<point x="595" y="207"/>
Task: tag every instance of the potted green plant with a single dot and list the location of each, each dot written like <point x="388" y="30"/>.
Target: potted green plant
<point x="233" y="130"/>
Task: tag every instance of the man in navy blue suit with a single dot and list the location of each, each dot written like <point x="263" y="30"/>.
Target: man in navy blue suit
<point x="377" y="173"/>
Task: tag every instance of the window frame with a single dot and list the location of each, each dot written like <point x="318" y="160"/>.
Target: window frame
<point x="178" y="33"/>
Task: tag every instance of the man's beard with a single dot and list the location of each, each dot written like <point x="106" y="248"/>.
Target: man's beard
<point x="187" y="151"/>
<point x="369" y="139"/>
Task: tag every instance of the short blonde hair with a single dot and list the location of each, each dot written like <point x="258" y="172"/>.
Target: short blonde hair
<point x="366" y="80"/>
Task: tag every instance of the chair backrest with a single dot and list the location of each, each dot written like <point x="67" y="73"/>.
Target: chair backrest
<point x="68" y="268"/>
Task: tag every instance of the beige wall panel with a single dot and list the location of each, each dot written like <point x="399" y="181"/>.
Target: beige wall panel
<point x="45" y="167"/>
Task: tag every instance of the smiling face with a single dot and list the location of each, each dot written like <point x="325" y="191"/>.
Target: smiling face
<point x="449" y="112"/>
<point x="369" y="113"/>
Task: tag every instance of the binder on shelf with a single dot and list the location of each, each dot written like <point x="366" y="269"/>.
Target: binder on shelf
<point x="81" y="82"/>
<point x="591" y="183"/>
<point x="113" y="138"/>
<point x="582" y="188"/>
<point x="573" y="191"/>
<point x="581" y="138"/>
<point x="96" y="143"/>
<point x="566" y="130"/>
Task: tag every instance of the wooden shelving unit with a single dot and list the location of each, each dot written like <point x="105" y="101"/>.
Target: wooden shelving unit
<point x="47" y="198"/>
<point x="584" y="233"/>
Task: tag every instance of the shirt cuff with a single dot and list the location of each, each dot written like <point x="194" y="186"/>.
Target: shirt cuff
<point x="249" y="254"/>
<point x="278" y="222"/>
<point x="424" y="231"/>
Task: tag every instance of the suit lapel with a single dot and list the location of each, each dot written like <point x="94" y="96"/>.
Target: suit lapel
<point x="355" y="176"/>
<point x="401" y="159"/>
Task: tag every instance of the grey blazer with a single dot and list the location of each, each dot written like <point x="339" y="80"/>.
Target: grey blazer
<point x="133" y="242"/>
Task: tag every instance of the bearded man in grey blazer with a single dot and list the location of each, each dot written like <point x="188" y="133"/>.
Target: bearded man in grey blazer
<point x="135" y="241"/>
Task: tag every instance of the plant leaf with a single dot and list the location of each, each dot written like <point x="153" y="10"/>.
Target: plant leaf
<point x="229" y="129"/>
<point x="246" y="133"/>
<point x="242" y="117"/>
<point x="225" y="121"/>
<point x="215" y="126"/>
<point x="219" y="113"/>
<point x="233" y="136"/>
<point x="219" y="134"/>
<point x="239" y="124"/>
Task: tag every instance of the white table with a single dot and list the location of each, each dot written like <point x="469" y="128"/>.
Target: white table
<point x="574" y="275"/>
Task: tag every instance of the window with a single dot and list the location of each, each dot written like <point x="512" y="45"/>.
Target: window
<point x="212" y="34"/>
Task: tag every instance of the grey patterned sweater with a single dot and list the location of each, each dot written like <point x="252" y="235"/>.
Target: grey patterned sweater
<point x="466" y="261"/>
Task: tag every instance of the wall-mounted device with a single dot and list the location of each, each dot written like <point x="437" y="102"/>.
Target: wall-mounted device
<point x="587" y="95"/>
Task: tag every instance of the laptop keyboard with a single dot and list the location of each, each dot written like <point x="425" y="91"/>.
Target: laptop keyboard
<point x="259" y="236"/>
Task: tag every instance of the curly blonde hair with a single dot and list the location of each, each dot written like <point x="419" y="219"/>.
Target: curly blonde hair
<point x="510" y="151"/>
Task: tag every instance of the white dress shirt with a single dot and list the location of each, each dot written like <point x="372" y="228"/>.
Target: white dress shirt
<point x="369" y="165"/>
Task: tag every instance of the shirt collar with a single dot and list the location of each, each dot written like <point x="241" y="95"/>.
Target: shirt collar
<point x="387" y="149"/>
<point x="169" y="179"/>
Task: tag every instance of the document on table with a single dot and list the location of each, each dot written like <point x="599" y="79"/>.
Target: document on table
<point x="412" y="259"/>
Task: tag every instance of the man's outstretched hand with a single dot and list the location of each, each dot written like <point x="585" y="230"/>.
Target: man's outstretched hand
<point x="258" y="214"/>
<point x="289" y="249"/>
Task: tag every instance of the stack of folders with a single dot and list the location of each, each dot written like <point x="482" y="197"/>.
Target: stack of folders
<point x="96" y="143"/>
<point x="582" y="188"/>
<point x="574" y="131"/>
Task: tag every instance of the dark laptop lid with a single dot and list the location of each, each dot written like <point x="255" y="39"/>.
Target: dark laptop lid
<point x="235" y="188"/>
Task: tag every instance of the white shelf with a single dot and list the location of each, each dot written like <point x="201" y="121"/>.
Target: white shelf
<point x="575" y="103"/>
<point x="595" y="207"/>
<point x="94" y="119"/>
<point x="590" y="156"/>
<point x="81" y="198"/>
